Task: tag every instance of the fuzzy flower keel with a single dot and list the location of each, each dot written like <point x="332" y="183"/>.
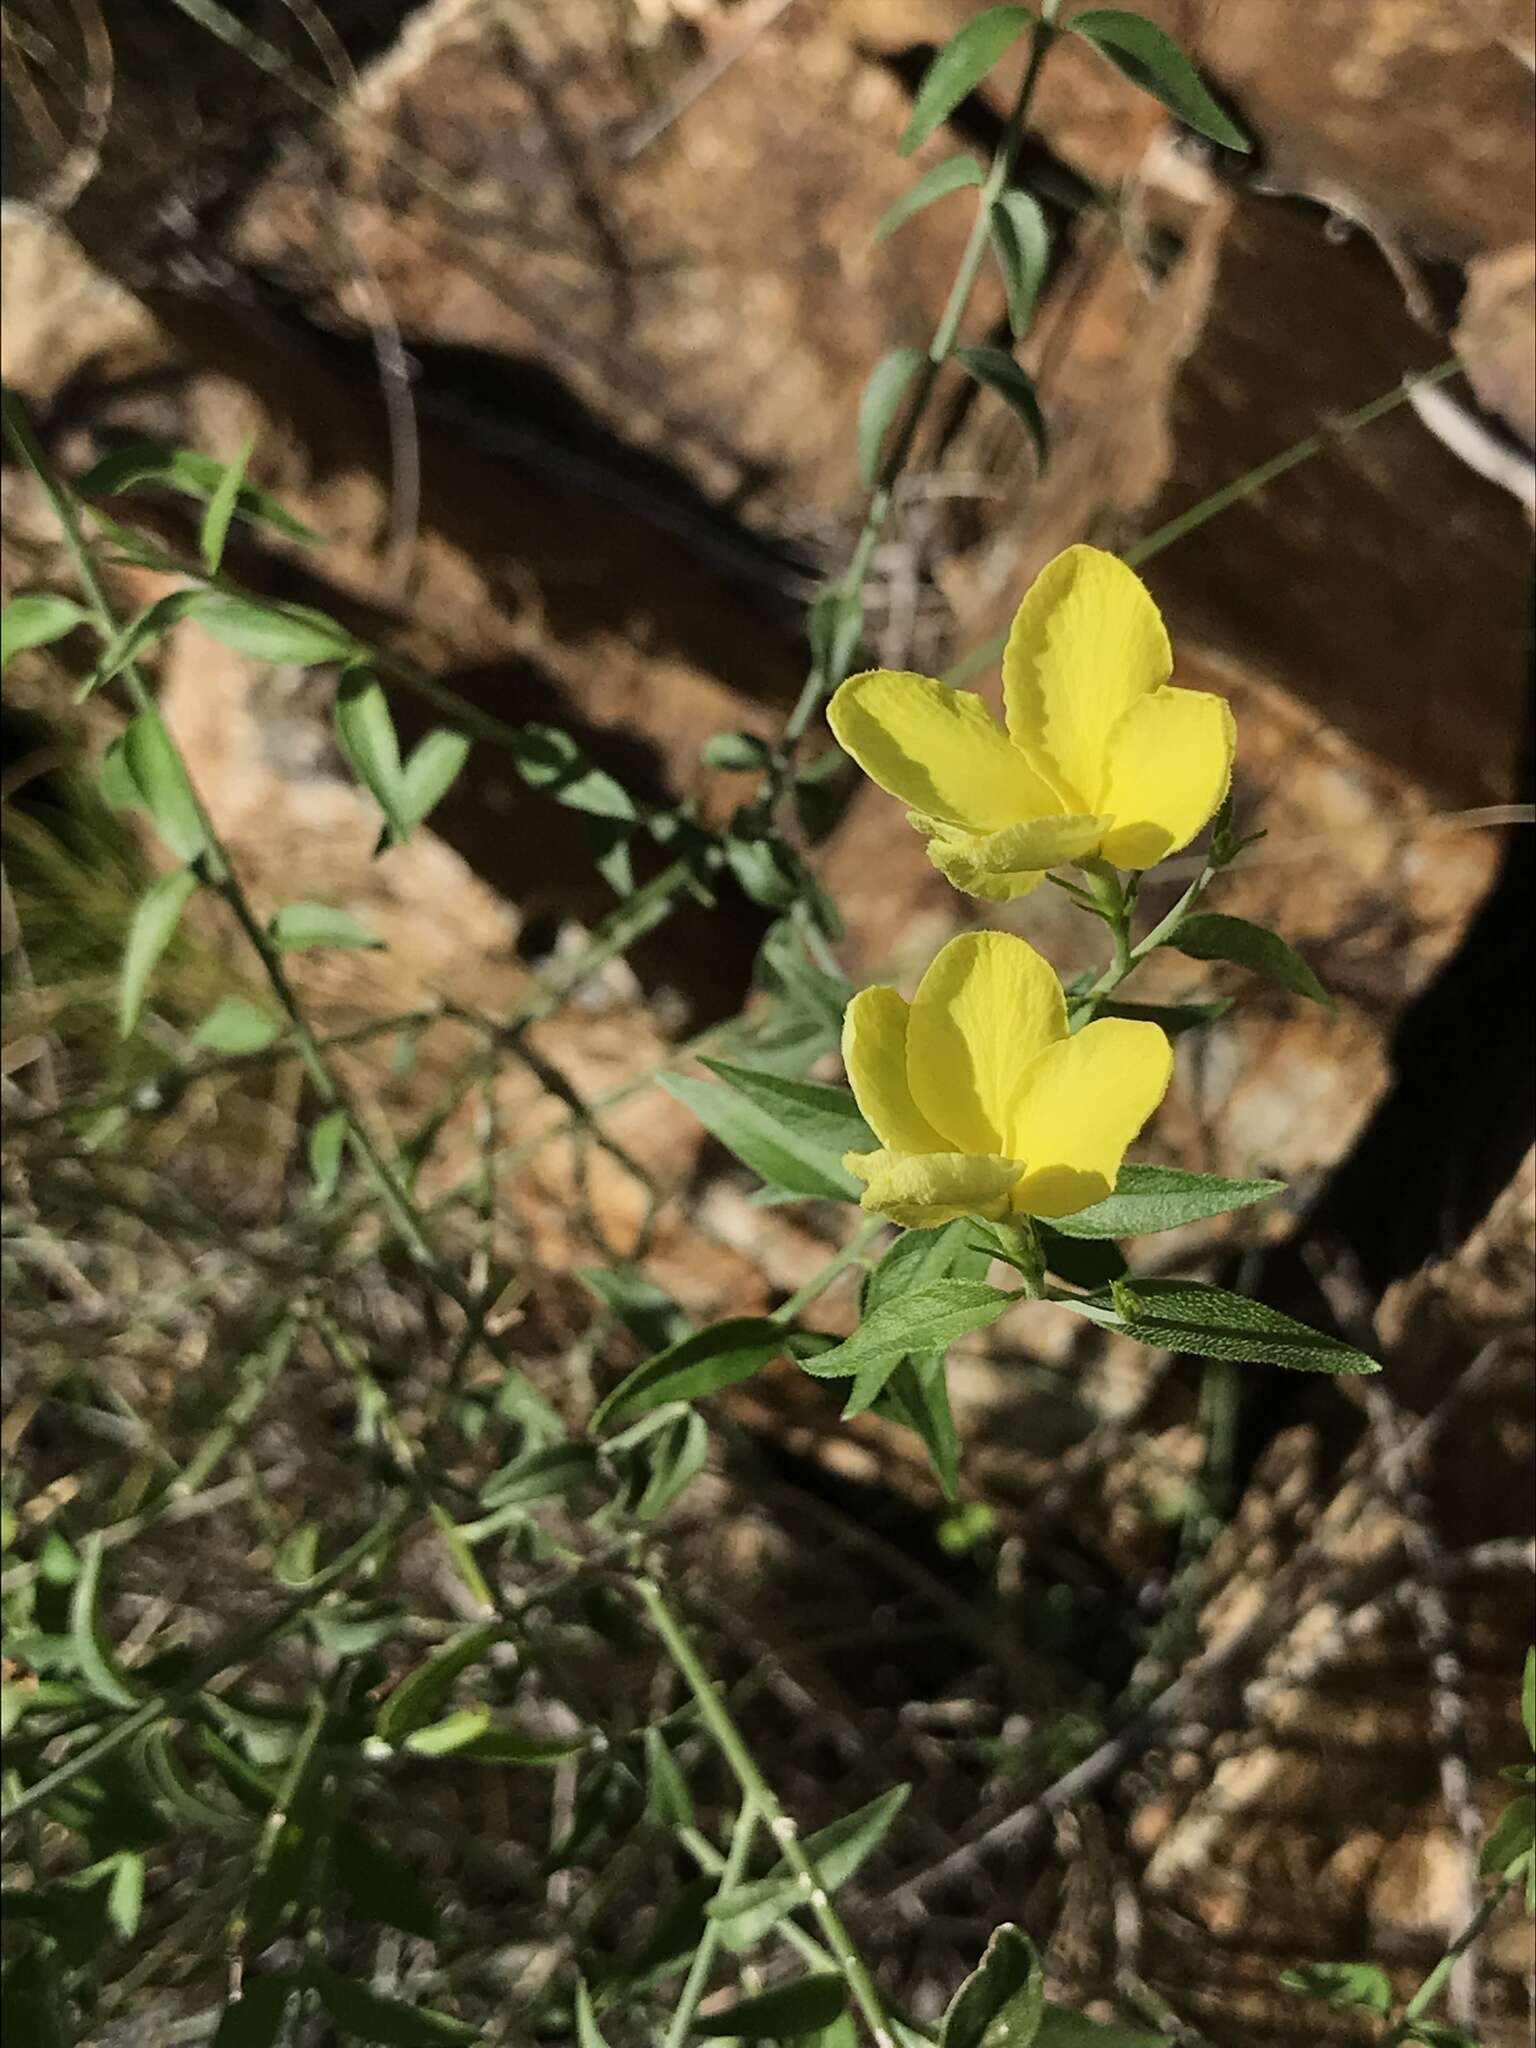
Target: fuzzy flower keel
<point x="1101" y="755"/>
<point x="982" y="1102"/>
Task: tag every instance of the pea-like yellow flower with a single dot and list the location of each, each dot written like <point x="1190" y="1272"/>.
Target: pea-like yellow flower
<point x="1101" y="755"/>
<point x="983" y="1103"/>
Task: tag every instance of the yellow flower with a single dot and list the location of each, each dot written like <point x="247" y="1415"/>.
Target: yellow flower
<point x="984" y="1105"/>
<point x="1100" y="757"/>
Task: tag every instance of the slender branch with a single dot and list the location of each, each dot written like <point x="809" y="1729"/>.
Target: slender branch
<point x="732" y="1871"/>
<point x="756" y="1789"/>
<point x="1439" y="1976"/>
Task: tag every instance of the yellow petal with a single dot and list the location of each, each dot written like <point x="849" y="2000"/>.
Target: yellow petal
<point x="921" y="1190"/>
<point x="875" y="1054"/>
<point x="953" y="863"/>
<point x="1169" y="763"/>
<point x="986" y="1007"/>
<point x="1081" y="1103"/>
<point x="939" y="750"/>
<point x="1086" y="643"/>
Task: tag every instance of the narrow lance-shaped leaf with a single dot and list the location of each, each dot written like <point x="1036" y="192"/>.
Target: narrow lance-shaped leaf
<point x="385" y="2022"/>
<point x="782" y="2015"/>
<point x="929" y="1318"/>
<point x="154" y="763"/>
<point x="1211" y="935"/>
<point x="155" y="620"/>
<point x="786" y="1154"/>
<point x="1023" y="245"/>
<point x="588" y="2032"/>
<point x="154" y="924"/>
<point x="235" y="1025"/>
<point x="722" y="1356"/>
<point x="1182" y="1315"/>
<point x="960" y="67"/>
<point x="327" y="1142"/>
<point x="953" y="175"/>
<point x="1150" y="58"/>
<point x="366" y="732"/>
<point x="199" y="476"/>
<point x="997" y="370"/>
<point x="883" y="394"/>
<point x="36" y="619"/>
<point x="548" y="758"/>
<point x="307" y="927"/>
<point x="221" y="509"/>
<point x="93" y="1653"/>
<point x="430" y="773"/>
<point x="418" y="1696"/>
<point x="270" y="632"/>
<point x="836" y="1852"/>
<point x="1152" y="1198"/>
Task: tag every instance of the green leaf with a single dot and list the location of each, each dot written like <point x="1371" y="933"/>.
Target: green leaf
<point x="740" y="753"/>
<point x="751" y="1911"/>
<point x="366" y="733"/>
<point x="540" y="1473"/>
<point x="1152" y="60"/>
<point x="822" y="1123"/>
<point x="197" y="476"/>
<point x="287" y="633"/>
<point x="1152" y="1198"/>
<point x="1511" y="1839"/>
<point x="926" y="1318"/>
<point x="917" y="1393"/>
<point x="255" y="2018"/>
<point x="588" y="2032"/>
<point x="954" y="174"/>
<point x="673" y="1939"/>
<point x="221" y="509"/>
<point x="666" y="1789"/>
<point x="1183" y="1315"/>
<point x="419" y="1696"/>
<point x="308" y="927"/>
<point x="154" y="923"/>
<point x="1360" y="1985"/>
<point x="119" y="791"/>
<point x="234" y="1025"/>
<point x="916" y="1396"/>
<point x="37" y="619"/>
<point x="1528" y="1697"/>
<point x="1435" y="2034"/>
<point x="664" y="1454"/>
<point x="1022" y="243"/>
<point x="548" y="758"/>
<point x="125" y="1893"/>
<point x="997" y="370"/>
<point x="514" y="1746"/>
<point x="768" y="872"/>
<point x="883" y="394"/>
<point x="455" y="1732"/>
<point x="154" y="762"/>
<point x="722" y="1356"/>
<point x="960" y="67"/>
<point x="787" y="1155"/>
<point x="836" y="620"/>
<point x="327" y="1143"/>
<point x="384" y="2022"/>
<point x="155" y="619"/>
<point x="1001" y="2004"/>
<point x="782" y="2015"/>
<point x="1209" y="935"/>
<point x="1170" y="1017"/>
<point x="646" y="1310"/>
<point x="430" y="773"/>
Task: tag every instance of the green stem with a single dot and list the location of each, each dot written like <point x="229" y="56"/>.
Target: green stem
<point x="732" y="1871"/>
<point x="756" y="1789"/>
<point x="1439" y="1976"/>
<point x="1244" y="486"/>
<point x="220" y="876"/>
<point x="850" y="1255"/>
<point x="820" y="683"/>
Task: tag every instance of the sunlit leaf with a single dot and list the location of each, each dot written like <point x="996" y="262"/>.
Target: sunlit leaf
<point x="1150" y="58"/>
<point x="954" y="174"/>
<point x="960" y="67"/>
<point x="153" y="926"/>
